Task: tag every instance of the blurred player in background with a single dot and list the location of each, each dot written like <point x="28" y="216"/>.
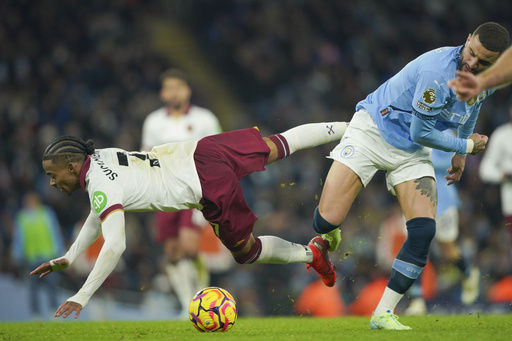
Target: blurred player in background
<point x="37" y="237"/>
<point x="180" y="232"/>
<point x="202" y="174"/>
<point x="468" y="86"/>
<point x="393" y="130"/>
<point x="496" y="166"/>
<point x="447" y="232"/>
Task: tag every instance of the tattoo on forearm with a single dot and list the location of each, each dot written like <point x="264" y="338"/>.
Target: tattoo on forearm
<point x="428" y="187"/>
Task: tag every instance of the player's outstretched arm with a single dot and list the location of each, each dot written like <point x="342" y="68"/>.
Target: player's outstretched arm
<point x="67" y="308"/>
<point x="54" y="265"/>
<point x="88" y="234"/>
<point x="111" y="251"/>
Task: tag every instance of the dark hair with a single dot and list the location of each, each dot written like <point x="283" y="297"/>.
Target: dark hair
<point x="68" y="148"/>
<point x="175" y="73"/>
<point x="493" y="36"/>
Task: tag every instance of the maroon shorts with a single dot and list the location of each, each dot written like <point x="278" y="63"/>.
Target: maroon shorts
<point x="168" y="224"/>
<point x="221" y="161"/>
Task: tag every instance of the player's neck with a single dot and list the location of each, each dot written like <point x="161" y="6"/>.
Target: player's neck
<point x="177" y="112"/>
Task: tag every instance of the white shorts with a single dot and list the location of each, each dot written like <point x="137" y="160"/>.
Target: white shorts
<point x="364" y="150"/>
<point x="447" y="225"/>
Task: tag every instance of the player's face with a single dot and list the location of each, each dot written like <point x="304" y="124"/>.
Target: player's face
<point x="476" y="58"/>
<point x="175" y="93"/>
<point x="62" y="176"/>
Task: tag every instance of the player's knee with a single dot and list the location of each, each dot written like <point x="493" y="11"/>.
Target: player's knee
<point x="422" y="228"/>
<point x="250" y="256"/>
<point x="320" y="225"/>
<point x="420" y="232"/>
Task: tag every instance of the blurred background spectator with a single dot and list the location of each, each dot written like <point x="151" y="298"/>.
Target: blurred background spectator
<point x="37" y="238"/>
<point x="91" y="69"/>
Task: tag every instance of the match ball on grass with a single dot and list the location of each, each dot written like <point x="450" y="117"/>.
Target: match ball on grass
<point x="213" y="309"/>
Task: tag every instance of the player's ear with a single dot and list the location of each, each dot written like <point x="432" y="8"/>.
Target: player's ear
<point x="469" y="38"/>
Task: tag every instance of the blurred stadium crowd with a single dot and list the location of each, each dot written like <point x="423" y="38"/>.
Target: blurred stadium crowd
<point x="88" y="69"/>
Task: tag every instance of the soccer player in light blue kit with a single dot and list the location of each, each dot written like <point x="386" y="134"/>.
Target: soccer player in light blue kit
<point x="394" y="129"/>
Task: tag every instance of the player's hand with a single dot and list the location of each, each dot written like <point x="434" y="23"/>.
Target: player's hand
<point x="456" y="170"/>
<point x="67" y="308"/>
<point x="48" y="267"/>
<point x="480" y="143"/>
<point x="466" y="86"/>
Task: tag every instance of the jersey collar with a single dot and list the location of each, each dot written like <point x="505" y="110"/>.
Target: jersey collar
<point x="83" y="172"/>
<point x="185" y="113"/>
<point x="458" y="54"/>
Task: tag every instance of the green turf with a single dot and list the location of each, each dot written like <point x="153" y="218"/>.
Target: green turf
<point x="433" y="327"/>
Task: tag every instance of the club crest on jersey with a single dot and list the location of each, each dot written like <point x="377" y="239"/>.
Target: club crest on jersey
<point x="99" y="201"/>
<point x="347" y="152"/>
<point x="478" y="98"/>
<point x="429" y="96"/>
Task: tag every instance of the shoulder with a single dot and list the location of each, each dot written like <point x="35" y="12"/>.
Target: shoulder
<point x="443" y="61"/>
<point x="156" y="115"/>
<point x="105" y="162"/>
<point x="435" y="69"/>
<point x="446" y="53"/>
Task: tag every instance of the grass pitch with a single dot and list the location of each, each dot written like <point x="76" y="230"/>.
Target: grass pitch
<point x="433" y="327"/>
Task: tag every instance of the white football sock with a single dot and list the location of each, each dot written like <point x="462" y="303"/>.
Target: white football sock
<point x="203" y="274"/>
<point x="182" y="277"/>
<point x="275" y="250"/>
<point x="388" y="301"/>
<point x="314" y="134"/>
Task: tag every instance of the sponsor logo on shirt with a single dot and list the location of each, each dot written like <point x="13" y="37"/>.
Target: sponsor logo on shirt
<point x="423" y="107"/>
<point x="99" y="201"/>
<point x="106" y="170"/>
<point x="454" y="117"/>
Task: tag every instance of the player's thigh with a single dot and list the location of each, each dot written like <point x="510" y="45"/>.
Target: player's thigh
<point x="418" y="197"/>
<point x="340" y="189"/>
<point x="225" y="208"/>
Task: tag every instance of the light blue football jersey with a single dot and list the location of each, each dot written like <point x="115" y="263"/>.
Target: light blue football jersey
<point x="419" y="93"/>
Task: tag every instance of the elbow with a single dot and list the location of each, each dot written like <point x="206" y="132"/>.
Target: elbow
<point x="115" y="250"/>
<point x="120" y="248"/>
<point x="420" y="139"/>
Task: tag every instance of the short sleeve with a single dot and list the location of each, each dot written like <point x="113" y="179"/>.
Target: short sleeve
<point x="105" y="198"/>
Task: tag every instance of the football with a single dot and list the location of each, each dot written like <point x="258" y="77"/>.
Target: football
<point x="212" y="309"/>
